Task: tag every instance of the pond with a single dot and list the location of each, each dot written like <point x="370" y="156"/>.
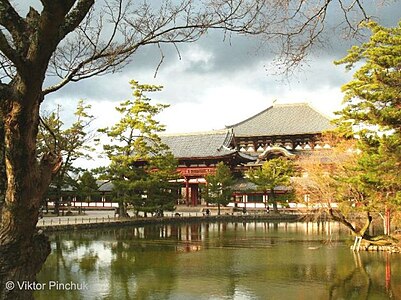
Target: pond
<point x="257" y="260"/>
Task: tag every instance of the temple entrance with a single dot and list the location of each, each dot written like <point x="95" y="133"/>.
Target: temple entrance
<point x="191" y="192"/>
<point x="195" y="194"/>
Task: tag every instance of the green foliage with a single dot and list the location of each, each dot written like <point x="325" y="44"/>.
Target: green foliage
<point x="71" y="143"/>
<point x="136" y="134"/>
<point x="161" y="191"/>
<point x="219" y="186"/>
<point x="87" y="187"/>
<point x="373" y="102"/>
<point x="373" y="97"/>
<point x="273" y="173"/>
<point x="142" y="169"/>
<point x="377" y="172"/>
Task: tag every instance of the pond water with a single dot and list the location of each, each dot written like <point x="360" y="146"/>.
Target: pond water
<point x="257" y="260"/>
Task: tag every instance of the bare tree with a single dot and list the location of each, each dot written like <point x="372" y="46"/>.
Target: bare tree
<point x="63" y="41"/>
<point x="331" y="185"/>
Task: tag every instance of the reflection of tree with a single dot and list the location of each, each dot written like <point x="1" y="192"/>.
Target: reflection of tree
<point x="141" y="269"/>
<point x="141" y="266"/>
<point x="88" y="262"/>
<point x="359" y="282"/>
<point x="60" y="267"/>
<point x="355" y="284"/>
<point x="148" y="265"/>
<point x="145" y="262"/>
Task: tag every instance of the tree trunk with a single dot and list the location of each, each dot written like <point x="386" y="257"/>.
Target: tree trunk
<point x="339" y="217"/>
<point x="275" y="208"/>
<point x="56" y="208"/>
<point x="122" y="210"/>
<point x="22" y="249"/>
<point x="363" y="232"/>
<point x="2" y="166"/>
<point x="365" y="228"/>
<point x="20" y="260"/>
<point x="57" y="199"/>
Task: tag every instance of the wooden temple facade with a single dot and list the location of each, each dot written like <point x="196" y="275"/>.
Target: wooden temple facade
<point x="198" y="155"/>
<point x="280" y="130"/>
<point x="294" y="127"/>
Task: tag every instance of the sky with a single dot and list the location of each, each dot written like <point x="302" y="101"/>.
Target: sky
<point x="213" y="83"/>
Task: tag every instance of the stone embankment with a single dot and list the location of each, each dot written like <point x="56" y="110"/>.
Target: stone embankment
<point x="366" y="246"/>
<point x="140" y="221"/>
<point x="391" y="249"/>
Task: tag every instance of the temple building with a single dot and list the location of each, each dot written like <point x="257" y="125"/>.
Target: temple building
<point x="290" y="130"/>
<point x="280" y="130"/>
<point x="199" y="153"/>
<point x="294" y="127"/>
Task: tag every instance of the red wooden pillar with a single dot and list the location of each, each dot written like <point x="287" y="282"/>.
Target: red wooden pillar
<point x="186" y="191"/>
<point x="387" y="221"/>
<point x="194" y="194"/>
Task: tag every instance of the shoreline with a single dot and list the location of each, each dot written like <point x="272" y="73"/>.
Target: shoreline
<point x="169" y="220"/>
<point x="142" y="221"/>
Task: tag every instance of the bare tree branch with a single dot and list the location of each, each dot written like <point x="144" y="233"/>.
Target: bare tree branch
<point x="9" y="52"/>
<point x="12" y="21"/>
<point x="76" y="16"/>
<point x="98" y="41"/>
<point x="296" y="27"/>
<point x="72" y="40"/>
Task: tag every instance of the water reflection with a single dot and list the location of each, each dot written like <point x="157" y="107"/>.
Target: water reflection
<point x="366" y="279"/>
<point x="255" y="260"/>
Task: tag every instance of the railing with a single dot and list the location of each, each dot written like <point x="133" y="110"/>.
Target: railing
<point x="72" y="220"/>
<point x="75" y="220"/>
<point x="83" y="204"/>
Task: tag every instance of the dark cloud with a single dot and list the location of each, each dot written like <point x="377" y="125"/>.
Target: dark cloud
<point x="226" y="57"/>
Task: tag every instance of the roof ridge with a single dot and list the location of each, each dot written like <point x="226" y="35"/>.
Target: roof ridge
<point x="291" y="104"/>
<point x="319" y="112"/>
<point x="219" y="131"/>
<point x="310" y="105"/>
<point x="274" y="105"/>
<point x="250" y="118"/>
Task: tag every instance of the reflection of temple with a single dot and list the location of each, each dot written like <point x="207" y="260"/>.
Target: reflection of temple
<point x="281" y="130"/>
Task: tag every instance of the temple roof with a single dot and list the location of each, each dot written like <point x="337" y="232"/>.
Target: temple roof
<point x="244" y="185"/>
<point x="283" y="119"/>
<point x="200" y="144"/>
<point x="104" y="185"/>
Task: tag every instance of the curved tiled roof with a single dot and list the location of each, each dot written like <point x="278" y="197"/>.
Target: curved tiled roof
<point x="200" y="144"/>
<point x="283" y="119"/>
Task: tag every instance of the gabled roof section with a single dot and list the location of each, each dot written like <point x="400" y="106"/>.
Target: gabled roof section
<point x="200" y="144"/>
<point x="276" y="150"/>
<point x="104" y="185"/>
<point x="283" y="119"/>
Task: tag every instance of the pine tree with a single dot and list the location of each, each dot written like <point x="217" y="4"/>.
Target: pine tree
<point x="219" y="186"/>
<point x="373" y="108"/>
<point x="373" y="97"/>
<point x="72" y="143"/>
<point x="142" y="168"/>
<point x="87" y="187"/>
<point x="273" y="173"/>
